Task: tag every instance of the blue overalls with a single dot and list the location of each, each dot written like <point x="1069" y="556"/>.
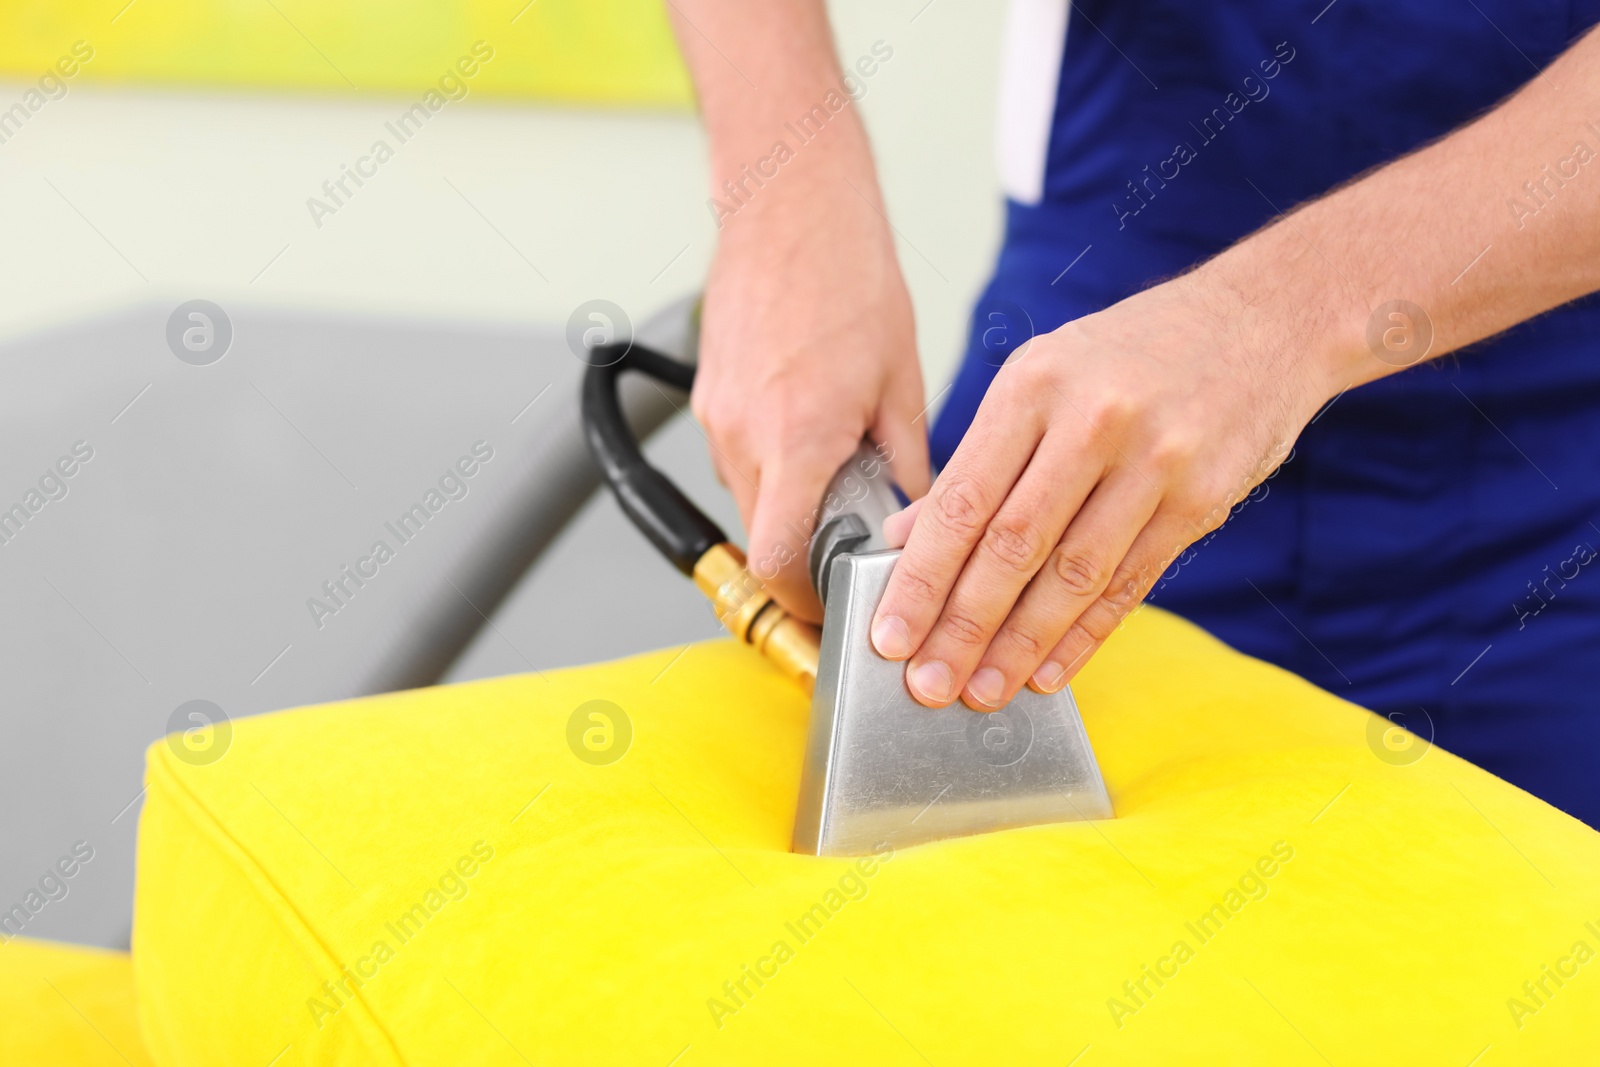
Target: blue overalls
<point x="1432" y="549"/>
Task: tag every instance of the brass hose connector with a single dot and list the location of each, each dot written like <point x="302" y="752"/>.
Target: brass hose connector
<point x="752" y="615"/>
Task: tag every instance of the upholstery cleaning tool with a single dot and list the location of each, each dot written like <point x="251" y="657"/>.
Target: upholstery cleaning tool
<point x="880" y="768"/>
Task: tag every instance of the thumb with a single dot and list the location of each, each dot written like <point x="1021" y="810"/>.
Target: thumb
<point x="897" y="527"/>
<point x="907" y="437"/>
<point x="788" y="508"/>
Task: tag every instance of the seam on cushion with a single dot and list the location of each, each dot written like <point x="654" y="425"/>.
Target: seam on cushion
<point x="253" y="870"/>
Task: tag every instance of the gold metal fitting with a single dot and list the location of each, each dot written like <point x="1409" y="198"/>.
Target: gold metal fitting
<point x="751" y="614"/>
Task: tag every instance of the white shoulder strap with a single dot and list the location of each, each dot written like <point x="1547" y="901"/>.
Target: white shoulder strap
<point x="1030" y="71"/>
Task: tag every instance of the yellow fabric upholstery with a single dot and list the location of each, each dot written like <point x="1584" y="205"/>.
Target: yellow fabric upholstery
<point x="67" y="1006"/>
<point x="436" y="877"/>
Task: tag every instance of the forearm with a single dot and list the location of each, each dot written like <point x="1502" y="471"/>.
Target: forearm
<point x="758" y="68"/>
<point x="807" y="341"/>
<point x="1492" y="225"/>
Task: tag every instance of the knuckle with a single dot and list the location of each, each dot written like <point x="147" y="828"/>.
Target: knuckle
<point x="1079" y="573"/>
<point x="957" y="506"/>
<point x="914" y="585"/>
<point x="1025" y="373"/>
<point x="1027" y="642"/>
<point x="1127" y="587"/>
<point x="1099" y="622"/>
<point x="1112" y="409"/>
<point x="1174" y="450"/>
<point x="963" y="630"/>
<point x="702" y="406"/>
<point x="707" y="405"/>
<point x="1016" y="544"/>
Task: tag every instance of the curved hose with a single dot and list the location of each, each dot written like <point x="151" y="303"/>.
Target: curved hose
<point x="673" y="524"/>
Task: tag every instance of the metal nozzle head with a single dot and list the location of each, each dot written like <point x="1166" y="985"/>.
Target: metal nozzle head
<point x="881" y="768"/>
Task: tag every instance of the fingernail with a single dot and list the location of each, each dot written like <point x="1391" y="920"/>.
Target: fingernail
<point x="1049" y="676"/>
<point x="986" y="687"/>
<point x="931" y="681"/>
<point x="891" y="638"/>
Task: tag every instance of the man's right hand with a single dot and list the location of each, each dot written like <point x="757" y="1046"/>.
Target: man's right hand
<point x="807" y="345"/>
<point x="807" y="342"/>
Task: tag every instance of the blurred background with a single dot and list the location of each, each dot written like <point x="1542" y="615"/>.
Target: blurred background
<point x="351" y="354"/>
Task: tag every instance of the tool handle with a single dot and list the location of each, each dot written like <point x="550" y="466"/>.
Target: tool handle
<point x="673" y="524"/>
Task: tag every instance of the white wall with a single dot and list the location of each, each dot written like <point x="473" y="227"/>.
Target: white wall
<point x="194" y="193"/>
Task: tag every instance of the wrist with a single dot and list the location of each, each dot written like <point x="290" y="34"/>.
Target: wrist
<point x="1288" y="311"/>
<point x="812" y="198"/>
<point x="783" y="161"/>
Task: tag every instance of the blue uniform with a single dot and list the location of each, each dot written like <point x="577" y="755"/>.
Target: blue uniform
<point x="1432" y="549"/>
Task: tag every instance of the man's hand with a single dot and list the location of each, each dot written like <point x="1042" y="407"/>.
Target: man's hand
<point x="1104" y="449"/>
<point x="1099" y="453"/>
<point x="807" y="342"/>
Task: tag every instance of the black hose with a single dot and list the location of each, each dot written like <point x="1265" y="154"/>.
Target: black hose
<point x="673" y="524"/>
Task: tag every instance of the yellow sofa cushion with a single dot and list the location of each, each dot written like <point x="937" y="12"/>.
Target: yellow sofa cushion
<point x="467" y="875"/>
<point x="67" y="1006"/>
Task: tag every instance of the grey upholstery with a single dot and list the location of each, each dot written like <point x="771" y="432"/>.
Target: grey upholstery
<point x="179" y="562"/>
